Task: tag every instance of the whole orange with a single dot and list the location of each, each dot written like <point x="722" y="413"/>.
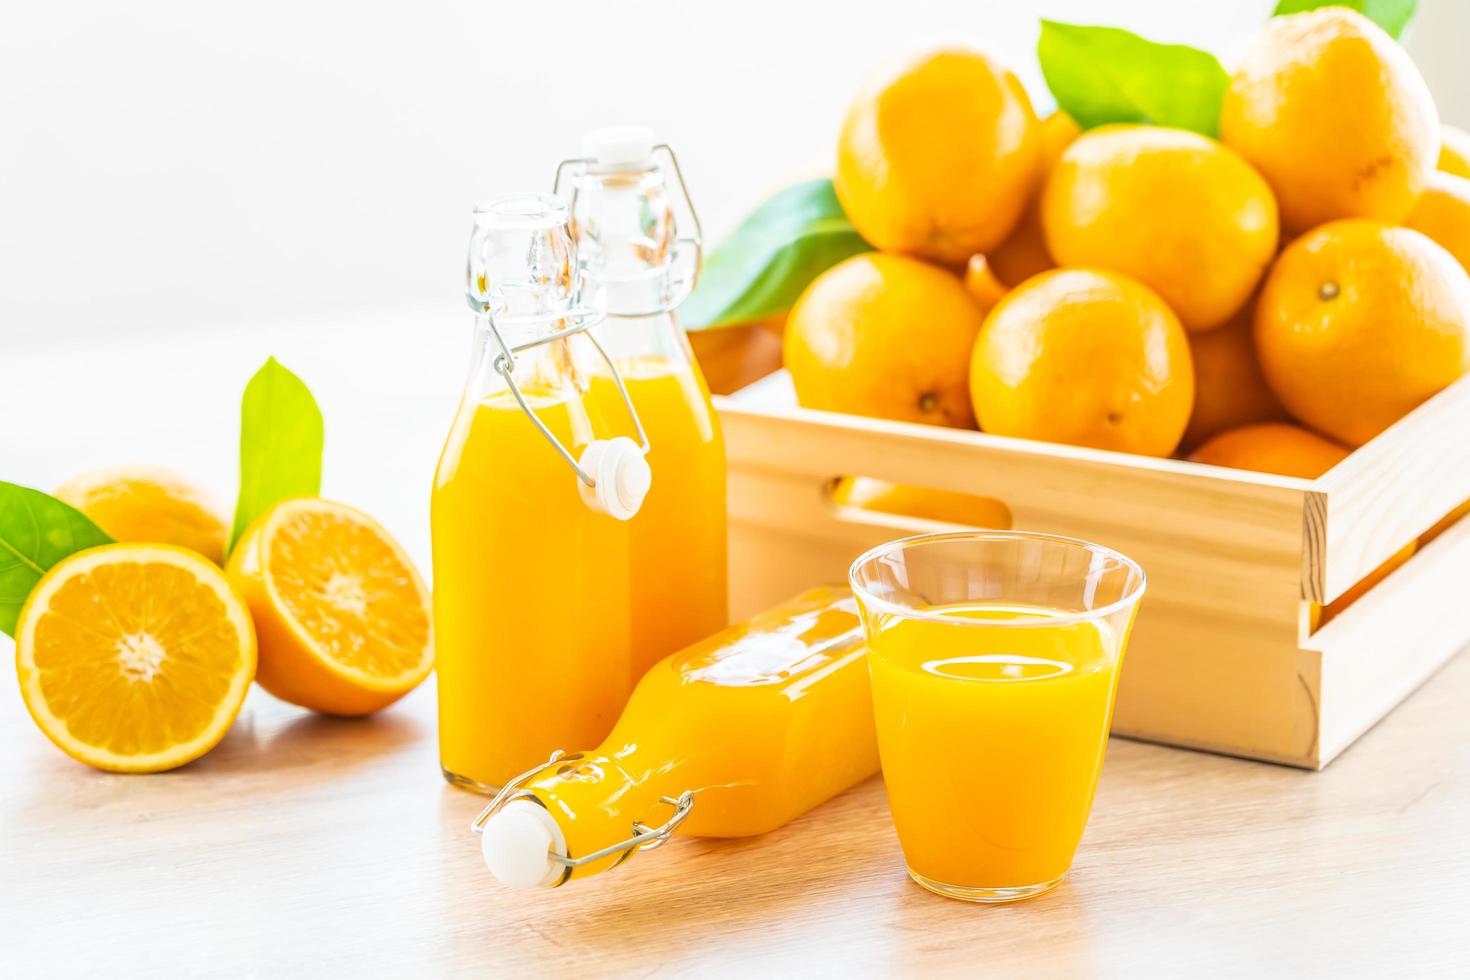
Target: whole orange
<point x="152" y="504"/>
<point x="1229" y="389"/>
<point x="1454" y="151"/>
<point x="1175" y="210"/>
<point x="1023" y="254"/>
<point x="884" y="336"/>
<point x="1336" y="117"/>
<point x="1273" y="447"/>
<point x="938" y="156"/>
<point x="1085" y="357"/>
<point x="1443" y="213"/>
<point x="1358" y="323"/>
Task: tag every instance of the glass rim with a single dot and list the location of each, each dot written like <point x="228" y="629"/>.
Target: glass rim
<point x="933" y="537"/>
<point x="528" y="210"/>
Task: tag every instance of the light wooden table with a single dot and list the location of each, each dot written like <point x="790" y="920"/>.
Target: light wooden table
<point x="310" y="846"/>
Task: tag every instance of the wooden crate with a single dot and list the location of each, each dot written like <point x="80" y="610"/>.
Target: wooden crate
<point x="1223" y="657"/>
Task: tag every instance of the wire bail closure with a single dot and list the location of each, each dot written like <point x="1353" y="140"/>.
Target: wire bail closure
<point x="522" y="279"/>
<point x="582" y="320"/>
<point x="687" y="254"/>
<point x="644" y="837"/>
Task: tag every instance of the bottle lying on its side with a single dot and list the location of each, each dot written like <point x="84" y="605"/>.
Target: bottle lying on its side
<point x="730" y="737"/>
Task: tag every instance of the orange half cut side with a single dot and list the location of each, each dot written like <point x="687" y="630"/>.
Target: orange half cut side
<point x="134" y="657"/>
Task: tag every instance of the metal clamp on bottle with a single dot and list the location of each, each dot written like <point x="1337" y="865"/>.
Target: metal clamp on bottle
<point x="613" y="474"/>
<point x="524" y="847"/>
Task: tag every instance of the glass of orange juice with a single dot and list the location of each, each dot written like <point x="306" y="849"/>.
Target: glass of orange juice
<point x="994" y="659"/>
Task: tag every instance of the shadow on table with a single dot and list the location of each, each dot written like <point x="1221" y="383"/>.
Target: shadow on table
<point x="815" y="897"/>
<point x="311" y="740"/>
<point x="823" y="893"/>
<point x="271" y="748"/>
<point x="823" y="874"/>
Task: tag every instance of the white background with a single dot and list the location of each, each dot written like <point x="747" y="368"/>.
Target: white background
<point x="177" y="167"/>
<point x="189" y="189"/>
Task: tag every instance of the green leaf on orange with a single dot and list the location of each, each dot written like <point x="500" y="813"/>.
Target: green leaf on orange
<point x="280" y="444"/>
<point x="36" y="532"/>
<point x="1102" y="75"/>
<point x="1391" y="15"/>
<point x="762" y="267"/>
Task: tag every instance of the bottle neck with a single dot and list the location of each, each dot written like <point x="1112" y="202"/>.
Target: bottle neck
<point x="548" y="371"/>
<point x="564" y="367"/>
<point x="632" y="261"/>
<point x="630" y="339"/>
<point x="608" y="793"/>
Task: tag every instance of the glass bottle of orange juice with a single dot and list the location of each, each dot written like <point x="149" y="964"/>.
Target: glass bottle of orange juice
<point x="638" y="249"/>
<point x="529" y="516"/>
<point x="578" y="517"/>
<point x="731" y="737"/>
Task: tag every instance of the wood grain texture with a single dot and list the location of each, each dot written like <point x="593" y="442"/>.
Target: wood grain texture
<point x="1387" y="642"/>
<point x="1388" y="492"/>
<point x="1237" y="533"/>
<point x="309" y="846"/>
<point x="1222" y="657"/>
<point x="1213" y="662"/>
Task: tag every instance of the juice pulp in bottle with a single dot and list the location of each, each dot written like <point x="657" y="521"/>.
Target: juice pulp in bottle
<point x="531" y="597"/>
<point x="636" y="267"/>
<point x="761" y="723"/>
<point x="992" y="739"/>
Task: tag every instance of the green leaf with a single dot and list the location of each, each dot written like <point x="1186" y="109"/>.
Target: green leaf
<point x="1391" y="15"/>
<point x="36" y="532"/>
<point x="760" y="269"/>
<point x="1105" y="75"/>
<point x="280" y="444"/>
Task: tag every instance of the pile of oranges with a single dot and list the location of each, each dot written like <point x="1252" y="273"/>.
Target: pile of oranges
<point x="1267" y="300"/>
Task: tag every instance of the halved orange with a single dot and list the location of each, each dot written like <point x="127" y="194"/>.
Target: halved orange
<point x="134" y="657"/>
<point x="342" y="616"/>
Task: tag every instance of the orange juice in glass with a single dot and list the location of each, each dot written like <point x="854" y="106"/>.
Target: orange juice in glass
<point x="994" y="659"/>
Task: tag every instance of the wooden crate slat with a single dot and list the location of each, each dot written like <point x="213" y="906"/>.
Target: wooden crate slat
<point x="1387" y="643"/>
<point x="1237" y="549"/>
<point x="1388" y="492"/>
<point x="1220" y="659"/>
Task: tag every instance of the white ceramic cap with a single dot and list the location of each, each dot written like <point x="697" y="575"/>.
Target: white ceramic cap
<point x="622" y="477"/>
<point x="619" y="146"/>
<point x="516" y="842"/>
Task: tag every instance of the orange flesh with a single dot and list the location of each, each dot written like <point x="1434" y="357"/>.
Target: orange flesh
<point x="350" y="592"/>
<point x="136" y="657"/>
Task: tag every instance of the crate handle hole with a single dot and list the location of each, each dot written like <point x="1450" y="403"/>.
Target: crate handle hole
<point x="865" y="496"/>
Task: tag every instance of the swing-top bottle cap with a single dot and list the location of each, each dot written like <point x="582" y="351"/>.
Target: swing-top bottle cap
<point x="517" y="842"/>
<point x="621" y="476"/>
<point x="619" y="147"/>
